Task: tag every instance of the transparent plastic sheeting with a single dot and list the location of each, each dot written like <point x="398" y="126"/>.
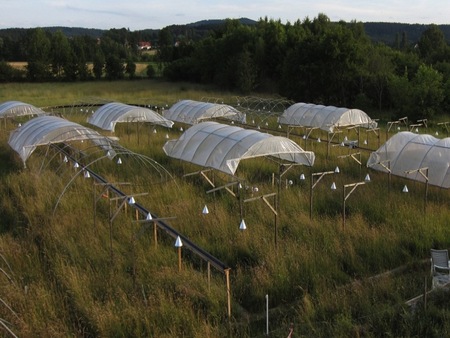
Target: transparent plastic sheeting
<point x="45" y="130"/>
<point x="324" y="117"/>
<point x="406" y="151"/>
<point x="17" y="108"/>
<point x="222" y="147"/>
<point x="193" y="112"/>
<point x="109" y="114"/>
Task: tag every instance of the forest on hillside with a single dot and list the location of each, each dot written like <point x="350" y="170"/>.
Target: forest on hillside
<point x="314" y="60"/>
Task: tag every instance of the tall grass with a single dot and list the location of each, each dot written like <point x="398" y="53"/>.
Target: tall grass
<point x="327" y="279"/>
<point x="147" y="91"/>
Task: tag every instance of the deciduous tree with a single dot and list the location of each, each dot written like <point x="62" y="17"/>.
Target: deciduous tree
<point x="60" y="54"/>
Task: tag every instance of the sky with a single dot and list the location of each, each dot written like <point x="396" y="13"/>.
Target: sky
<point x="157" y="14"/>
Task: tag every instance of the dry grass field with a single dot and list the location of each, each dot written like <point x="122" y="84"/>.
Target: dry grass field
<point x="19" y="65"/>
<point x="141" y="67"/>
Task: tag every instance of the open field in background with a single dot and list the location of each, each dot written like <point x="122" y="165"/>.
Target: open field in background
<point x="141" y="67"/>
<point x="328" y="280"/>
<point x="152" y="92"/>
<point x="19" y="65"/>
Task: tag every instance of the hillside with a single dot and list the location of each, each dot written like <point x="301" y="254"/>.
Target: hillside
<point x="15" y="33"/>
<point x="385" y="32"/>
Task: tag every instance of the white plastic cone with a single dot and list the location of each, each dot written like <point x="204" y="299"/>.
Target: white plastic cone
<point x="367" y="178"/>
<point x="178" y="242"/>
<point x="302" y="177"/>
<point x="149" y="217"/>
<point x="333" y="186"/>
<point x="405" y="189"/>
<point x="205" y="210"/>
<point x="242" y="226"/>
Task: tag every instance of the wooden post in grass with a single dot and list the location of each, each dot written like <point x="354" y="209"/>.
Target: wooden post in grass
<point x="209" y="276"/>
<point x="178" y="245"/>
<point x="227" y="276"/>
<point x="155" y="234"/>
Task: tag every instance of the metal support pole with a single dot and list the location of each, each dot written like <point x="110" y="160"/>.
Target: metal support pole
<point x="343" y="207"/>
<point x="110" y="236"/>
<point x="267" y="315"/>
<point x="94" y="189"/>
<point x="311" y="196"/>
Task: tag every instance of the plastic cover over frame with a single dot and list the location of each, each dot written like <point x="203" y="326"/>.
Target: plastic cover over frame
<point x="109" y="114"/>
<point x="324" y="117"/>
<point x="193" y="112"/>
<point x="45" y="130"/>
<point x="222" y="147"/>
<point x="17" y="108"/>
<point x="406" y="151"/>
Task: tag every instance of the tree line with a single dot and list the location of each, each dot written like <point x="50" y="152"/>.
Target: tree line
<point x="322" y="62"/>
<point x="53" y="56"/>
<point x="310" y="60"/>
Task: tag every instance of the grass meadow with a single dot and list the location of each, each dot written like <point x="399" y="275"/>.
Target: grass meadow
<point x="67" y="271"/>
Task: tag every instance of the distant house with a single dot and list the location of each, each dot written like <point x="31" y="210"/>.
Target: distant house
<point x="144" y="45"/>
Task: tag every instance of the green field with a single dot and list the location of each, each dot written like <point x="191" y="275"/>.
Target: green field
<point x="151" y="91"/>
<point x="68" y="270"/>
